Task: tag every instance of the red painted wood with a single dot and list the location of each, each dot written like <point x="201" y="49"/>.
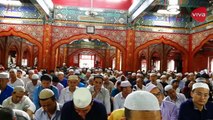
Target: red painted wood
<point x="105" y="4"/>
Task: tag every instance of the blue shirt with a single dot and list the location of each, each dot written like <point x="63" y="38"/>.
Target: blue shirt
<point x="36" y="92"/>
<point x="189" y="112"/>
<point x="169" y="110"/>
<point x="97" y="112"/>
<point x="81" y="84"/>
<point x="114" y="92"/>
<point x="6" y="93"/>
<point x="64" y="82"/>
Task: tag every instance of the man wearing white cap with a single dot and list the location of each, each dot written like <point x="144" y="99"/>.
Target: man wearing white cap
<point x="62" y="79"/>
<point x="119" y="99"/>
<point x="173" y="96"/>
<point x="197" y="108"/>
<point x="50" y="109"/>
<point x="28" y="78"/>
<point x="67" y="93"/>
<point x="32" y="84"/>
<point x="5" y="89"/>
<point x="169" y="110"/>
<point x="139" y="105"/>
<point x="14" y="81"/>
<point x="20" y="101"/>
<point x="153" y="80"/>
<point x="83" y="107"/>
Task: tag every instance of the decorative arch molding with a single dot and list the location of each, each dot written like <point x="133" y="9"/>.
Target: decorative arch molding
<point x="196" y="49"/>
<point x="86" y="49"/>
<point x="145" y="37"/>
<point x="88" y="36"/>
<point x="26" y="36"/>
<point x="165" y="41"/>
<point x="198" y="41"/>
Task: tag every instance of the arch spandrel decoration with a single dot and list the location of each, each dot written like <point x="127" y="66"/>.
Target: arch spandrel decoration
<point x="34" y="31"/>
<point x="60" y="33"/>
<point x="143" y="37"/>
<point x="199" y="39"/>
<point x="86" y="49"/>
<point x="28" y="37"/>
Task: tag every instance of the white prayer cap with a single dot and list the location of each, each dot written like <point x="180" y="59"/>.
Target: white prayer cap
<point x="73" y="77"/>
<point x="163" y="76"/>
<point x="89" y="71"/>
<point x="179" y="74"/>
<point x="125" y="83"/>
<point x="168" y="87"/>
<point x="153" y="74"/>
<point x="133" y="74"/>
<point x="60" y="73"/>
<point x="35" y="77"/>
<point x="13" y="70"/>
<point x="139" y="74"/>
<point x="71" y="70"/>
<point x="46" y="93"/>
<point x="19" y="89"/>
<point x="4" y="75"/>
<point x="200" y="85"/>
<point x="150" y="87"/>
<point x="141" y="100"/>
<point x="82" y="97"/>
<point x="200" y="79"/>
<point x="77" y="72"/>
<point x="120" y="72"/>
<point x="31" y="71"/>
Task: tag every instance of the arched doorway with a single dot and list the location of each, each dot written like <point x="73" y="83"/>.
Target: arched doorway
<point x="17" y="52"/>
<point x="157" y="52"/>
<point x="105" y="40"/>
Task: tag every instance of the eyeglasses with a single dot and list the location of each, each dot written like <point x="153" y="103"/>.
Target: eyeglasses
<point x="205" y="95"/>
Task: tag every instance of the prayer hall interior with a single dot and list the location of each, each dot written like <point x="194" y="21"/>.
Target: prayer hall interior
<point x="127" y="35"/>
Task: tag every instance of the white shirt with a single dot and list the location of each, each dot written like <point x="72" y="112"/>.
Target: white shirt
<point x="30" y="88"/>
<point x="24" y="104"/>
<point x="104" y="97"/>
<point x="18" y="82"/>
<point x="40" y="114"/>
<point x="118" y="101"/>
<point x="65" y="95"/>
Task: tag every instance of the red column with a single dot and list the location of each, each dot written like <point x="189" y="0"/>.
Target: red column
<point x="189" y="63"/>
<point x="46" y="61"/>
<point x="118" y="59"/>
<point x="130" y="46"/>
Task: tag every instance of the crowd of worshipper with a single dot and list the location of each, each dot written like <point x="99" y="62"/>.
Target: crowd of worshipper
<point x="104" y="94"/>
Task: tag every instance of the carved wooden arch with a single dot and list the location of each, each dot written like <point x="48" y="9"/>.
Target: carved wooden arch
<point x="202" y="43"/>
<point x="88" y="36"/>
<point x="165" y="41"/>
<point x="28" y="37"/>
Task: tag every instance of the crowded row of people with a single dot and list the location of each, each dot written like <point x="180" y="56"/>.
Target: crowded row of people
<point x="52" y="96"/>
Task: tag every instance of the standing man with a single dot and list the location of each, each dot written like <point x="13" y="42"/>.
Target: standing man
<point x="197" y="108"/>
<point x="82" y="107"/>
<point x="50" y="109"/>
<point x="6" y="90"/>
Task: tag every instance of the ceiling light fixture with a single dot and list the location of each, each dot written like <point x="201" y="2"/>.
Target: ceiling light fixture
<point x="172" y="8"/>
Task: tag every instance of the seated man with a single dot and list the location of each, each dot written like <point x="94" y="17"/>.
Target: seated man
<point x="50" y="109"/>
<point x="139" y="105"/>
<point x="197" y="108"/>
<point x="82" y="107"/>
<point x="19" y="101"/>
<point x="6" y="90"/>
